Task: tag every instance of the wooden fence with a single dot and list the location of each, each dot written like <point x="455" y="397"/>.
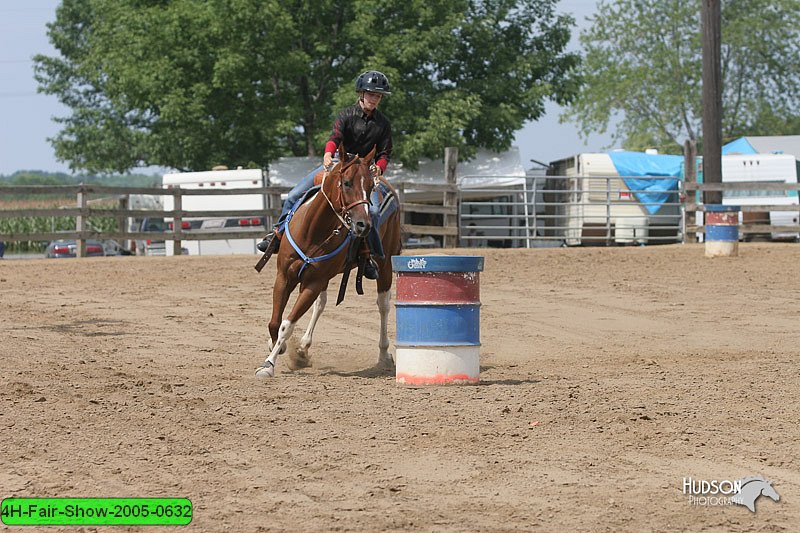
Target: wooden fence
<point x="121" y="212"/>
<point x="691" y="207"/>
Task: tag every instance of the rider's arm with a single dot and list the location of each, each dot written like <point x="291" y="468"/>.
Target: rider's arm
<point x="330" y="149"/>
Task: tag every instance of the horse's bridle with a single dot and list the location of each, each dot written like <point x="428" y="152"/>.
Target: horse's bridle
<point x="344" y="216"/>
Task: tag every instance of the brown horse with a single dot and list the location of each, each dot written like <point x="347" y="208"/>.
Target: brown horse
<point x="315" y="249"/>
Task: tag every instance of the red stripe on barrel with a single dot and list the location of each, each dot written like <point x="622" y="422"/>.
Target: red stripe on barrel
<point x="438" y="379"/>
<point x="724" y="218"/>
<point x="438" y="287"/>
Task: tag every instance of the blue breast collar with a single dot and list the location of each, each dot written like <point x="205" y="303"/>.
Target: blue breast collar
<point x="308" y="260"/>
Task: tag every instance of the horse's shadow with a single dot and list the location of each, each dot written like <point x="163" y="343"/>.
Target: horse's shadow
<point x="509" y="381"/>
<point x="375" y="371"/>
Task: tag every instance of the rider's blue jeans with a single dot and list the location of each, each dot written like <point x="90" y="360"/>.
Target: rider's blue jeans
<point x="296" y="193"/>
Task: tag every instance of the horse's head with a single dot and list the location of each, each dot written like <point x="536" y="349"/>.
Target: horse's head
<point x="348" y="187"/>
<point x="769" y="491"/>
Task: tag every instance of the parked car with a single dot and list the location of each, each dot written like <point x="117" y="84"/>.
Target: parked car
<point x="154" y="246"/>
<point x="66" y="248"/>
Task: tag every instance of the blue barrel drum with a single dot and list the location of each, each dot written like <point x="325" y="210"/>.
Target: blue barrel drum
<point x="722" y="230"/>
<point x="438" y="319"/>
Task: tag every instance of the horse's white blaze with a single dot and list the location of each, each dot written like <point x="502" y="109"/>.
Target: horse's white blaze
<point x="364" y="197"/>
<point x="384" y="358"/>
<point x="268" y="368"/>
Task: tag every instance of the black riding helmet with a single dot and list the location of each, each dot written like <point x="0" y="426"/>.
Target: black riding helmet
<point x="374" y="82"/>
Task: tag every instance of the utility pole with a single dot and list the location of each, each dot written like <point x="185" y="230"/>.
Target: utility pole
<point x="712" y="99"/>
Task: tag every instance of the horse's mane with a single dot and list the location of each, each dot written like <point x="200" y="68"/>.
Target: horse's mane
<point x="344" y="165"/>
<point x="750" y="479"/>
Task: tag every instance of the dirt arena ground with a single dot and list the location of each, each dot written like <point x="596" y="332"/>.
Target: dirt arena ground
<point x="608" y="376"/>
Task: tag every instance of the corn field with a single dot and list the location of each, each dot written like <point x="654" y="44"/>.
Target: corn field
<point x="44" y="224"/>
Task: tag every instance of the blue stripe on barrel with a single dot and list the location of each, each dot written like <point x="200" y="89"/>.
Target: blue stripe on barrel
<point x="437" y="263"/>
<point x="438" y="325"/>
<point x="722" y="233"/>
<point x="719" y="208"/>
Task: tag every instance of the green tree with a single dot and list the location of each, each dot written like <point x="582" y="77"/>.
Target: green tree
<point x="643" y="68"/>
<point x="189" y="84"/>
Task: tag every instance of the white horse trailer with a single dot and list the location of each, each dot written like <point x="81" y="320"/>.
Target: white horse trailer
<point x="766" y="168"/>
<point x="211" y="180"/>
<point x="599" y="207"/>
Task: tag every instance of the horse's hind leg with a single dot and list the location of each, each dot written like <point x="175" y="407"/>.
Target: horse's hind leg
<point x="384" y="357"/>
<point x="280" y="331"/>
<point x="300" y="358"/>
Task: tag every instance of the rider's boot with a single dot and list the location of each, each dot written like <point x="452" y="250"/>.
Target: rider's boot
<point x="270" y="242"/>
<point x="370" y="268"/>
<point x="374" y="248"/>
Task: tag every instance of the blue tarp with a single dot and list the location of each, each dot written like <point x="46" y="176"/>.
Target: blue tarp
<point x="739" y="146"/>
<point x="653" y="193"/>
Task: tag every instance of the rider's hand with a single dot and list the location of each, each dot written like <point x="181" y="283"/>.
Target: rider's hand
<point x="327" y="160"/>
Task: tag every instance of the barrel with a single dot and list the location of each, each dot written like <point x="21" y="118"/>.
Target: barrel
<point x="722" y="230"/>
<point x="438" y="319"/>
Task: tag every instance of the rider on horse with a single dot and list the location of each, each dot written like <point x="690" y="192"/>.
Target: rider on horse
<point x="359" y="128"/>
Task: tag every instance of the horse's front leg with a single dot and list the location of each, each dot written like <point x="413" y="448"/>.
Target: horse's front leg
<point x="301" y="359"/>
<point x="279" y="331"/>
<point x="384" y="357"/>
<point x="267" y="368"/>
<point x="308" y="294"/>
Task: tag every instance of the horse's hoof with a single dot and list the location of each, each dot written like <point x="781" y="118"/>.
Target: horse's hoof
<point x="266" y="371"/>
<point x="385" y="362"/>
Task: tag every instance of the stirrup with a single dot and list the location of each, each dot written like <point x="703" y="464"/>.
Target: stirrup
<point x="370" y="269"/>
<point x="268" y="242"/>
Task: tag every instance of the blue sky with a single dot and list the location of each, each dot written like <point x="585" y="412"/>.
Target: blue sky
<point x="27" y="116"/>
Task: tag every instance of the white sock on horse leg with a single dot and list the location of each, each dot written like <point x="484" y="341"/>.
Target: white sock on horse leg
<point x="284" y="332"/>
<point x="319" y="307"/>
